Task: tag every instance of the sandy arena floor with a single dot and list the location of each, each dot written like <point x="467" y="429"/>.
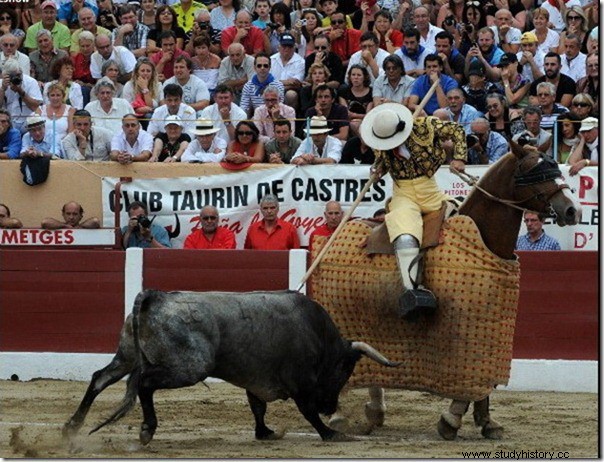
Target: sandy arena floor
<point x="217" y="423"/>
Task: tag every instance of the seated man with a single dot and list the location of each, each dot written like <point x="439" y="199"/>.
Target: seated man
<point x="132" y="144"/>
<point x="370" y="56"/>
<point x="210" y="236"/>
<point x="281" y="148"/>
<point x="412" y="53"/>
<point x="272" y="110"/>
<point x="460" y="112"/>
<point x="107" y="111"/>
<point x="6" y="221"/>
<point x="86" y="142"/>
<point x="69" y="11"/>
<point x="484" y="145"/>
<point x="141" y="232"/>
<point x="433" y="65"/>
<point x="271" y="233"/>
<point x="287" y="66"/>
<point x="335" y="113"/>
<point x="106" y="51"/>
<point x="173" y="105"/>
<point x="195" y="92"/>
<point x="251" y="37"/>
<point x="206" y="147"/>
<point x="320" y="148"/>
<point x="253" y="90"/>
<point x="534" y="134"/>
<point x="587" y="151"/>
<point x="535" y="238"/>
<point x="9" y="44"/>
<point x="45" y="57"/>
<point x="72" y="218"/>
<point x="333" y="216"/>
<point x="345" y="41"/>
<point x="235" y="70"/>
<point x="37" y="143"/>
<point x="165" y="59"/>
<point x="10" y="138"/>
<point x="19" y="93"/>
<point x="131" y="34"/>
<point x="61" y="36"/>
<point x="224" y="113"/>
<point x="487" y="53"/>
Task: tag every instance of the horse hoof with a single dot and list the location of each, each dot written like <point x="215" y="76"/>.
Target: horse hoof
<point x="69" y="431"/>
<point x="375" y="415"/>
<point x="338" y="422"/>
<point x="446" y="430"/>
<point x="338" y="437"/>
<point x="146" y="435"/>
<point x="492" y="431"/>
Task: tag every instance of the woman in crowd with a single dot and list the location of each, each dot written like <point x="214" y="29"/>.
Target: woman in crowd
<point x="108" y="15"/>
<point x="357" y="97"/>
<point x="363" y="18"/>
<point x="567" y="135"/>
<point x="165" y="19"/>
<point x="301" y="6"/>
<point x="170" y="145"/>
<point x="246" y="147"/>
<point x="81" y="65"/>
<point x="57" y="114"/>
<point x="513" y="83"/>
<point x="146" y="14"/>
<point x="450" y="8"/>
<point x="308" y="31"/>
<point x="223" y="15"/>
<point x="280" y="15"/>
<point x="576" y="23"/>
<point x="9" y="22"/>
<point x="583" y="106"/>
<point x="205" y="64"/>
<point x="548" y="39"/>
<point x="317" y="74"/>
<point x="111" y="70"/>
<point x="390" y="39"/>
<point x="142" y="91"/>
<point x="590" y="84"/>
<point x="62" y="72"/>
<point x="502" y="120"/>
<point x="466" y="34"/>
<point x="592" y="12"/>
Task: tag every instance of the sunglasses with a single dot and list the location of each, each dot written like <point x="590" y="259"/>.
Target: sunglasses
<point x="570" y="18"/>
<point x="209" y="217"/>
<point x="473" y="3"/>
<point x="263" y="66"/>
<point x="338" y="21"/>
<point x="322" y="47"/>
<point x="203" y="23"/>
<point x="5" y="18"/>
<point x="245" y="133"/>
<point x="581" y="104"/>
<point x="492" y="106"/>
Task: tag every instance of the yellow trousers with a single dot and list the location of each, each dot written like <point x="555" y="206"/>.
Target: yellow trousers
<point x="410" y="200"/>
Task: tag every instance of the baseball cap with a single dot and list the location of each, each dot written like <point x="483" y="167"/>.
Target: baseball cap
<point x="476" y="68"/>
<point x="48" y="3"/>
<point x="173" y="120"/>
<point x="507" y="59"/>
<point x="287" y="39"/>
<point x="528" y="37"/>
<point x="588" y="124"/>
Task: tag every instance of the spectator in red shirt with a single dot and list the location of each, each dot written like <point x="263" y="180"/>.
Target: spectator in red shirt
<point x="271" y="233"/>
<point x="344" y="41"/>
<point x="210" y="236"/>
<point x="251" y="37"/>
<point x="164" y="59"/>
<point x="333" y="216"/>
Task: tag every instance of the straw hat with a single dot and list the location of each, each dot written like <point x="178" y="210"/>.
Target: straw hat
<point x="386" y="126"/>
<point x="318" y="125"/>
<point x="205" y="127"/>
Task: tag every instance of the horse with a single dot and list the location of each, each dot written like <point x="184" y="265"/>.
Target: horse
<point x="521" y="180"/>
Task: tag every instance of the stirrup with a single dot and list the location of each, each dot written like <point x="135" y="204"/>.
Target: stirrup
<point x="417" y="302"/>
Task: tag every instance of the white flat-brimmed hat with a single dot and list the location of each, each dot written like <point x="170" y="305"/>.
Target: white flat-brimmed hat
<point x="318" y="125"/>
<point x="205" y="127"/>
<point x="386" y="126"/>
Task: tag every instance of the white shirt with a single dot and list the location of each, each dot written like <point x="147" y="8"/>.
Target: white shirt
<point x="294" y="69"/>
<point x="512" y="37"/>
<point x="111" y="120"/>
<point x="413" y="64"/>
<point x="539" y="58"/>
<point x="383" y="89"/>
<point x="593" y="150"/>
<point x="129" y="95"/>
<point x="575" y="68"/>
<point x="379" y="58"/>
<point x="14" y="104"/>
<point x="76" y="99"/>
<point x="194" y="91"/>
<point x="144" y="142"/>
<point x="195" y="153"/>
<point x="552" y="40"/>
<point x="331" y="150"/>
<point x="98" y="151"/>
<point x="124" y="57"/>
<point x="211" y="112"/>
<point x="430" y="40"/>
<point x="22" y="59"/>
<point x="158" y="124"/>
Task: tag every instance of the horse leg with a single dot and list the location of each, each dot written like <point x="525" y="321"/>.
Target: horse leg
<point x="375" y="409"/>
<point x="482" y="418"/>
<point x="450" y="421"/>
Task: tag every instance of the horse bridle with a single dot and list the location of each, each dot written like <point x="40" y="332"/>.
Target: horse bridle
<point x="545" y="170"/>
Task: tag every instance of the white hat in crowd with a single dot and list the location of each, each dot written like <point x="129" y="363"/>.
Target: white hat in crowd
<point x="173" y="120"/>
<point x="386" y="126"/>
<point x="34" y="121"/>
<point x="588" y="124"/>
<point x="205" y="127"/>
<point x="318" y="125"/>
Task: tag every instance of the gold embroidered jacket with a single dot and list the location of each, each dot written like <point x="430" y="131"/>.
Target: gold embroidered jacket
<point x="426" y="147"/>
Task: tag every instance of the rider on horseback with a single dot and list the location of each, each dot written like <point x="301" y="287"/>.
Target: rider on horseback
<point x="411" y="151"/>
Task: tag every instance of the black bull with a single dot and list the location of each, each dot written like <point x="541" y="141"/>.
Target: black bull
<point x="275" y="345"/>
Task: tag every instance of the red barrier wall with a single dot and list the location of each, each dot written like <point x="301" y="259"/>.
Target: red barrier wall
<point x="73" y="301"/>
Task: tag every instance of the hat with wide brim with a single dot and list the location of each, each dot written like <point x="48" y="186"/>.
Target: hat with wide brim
<point x="234" y="166"/>
<point x="318" y="125"/>
<point x="386" y="126"/>
<point x="204" y="127"/>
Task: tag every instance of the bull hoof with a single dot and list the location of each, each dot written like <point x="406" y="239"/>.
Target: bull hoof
<point x="338" y="422"/>
<point x="146" y="434"/>
<point x="375" y="415"/>
<point x="69" y="430"/>
<point x="446" y="430"/>
<point x="492" y="431"/>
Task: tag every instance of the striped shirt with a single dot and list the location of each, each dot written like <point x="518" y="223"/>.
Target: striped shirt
<point x="137" y="39"/>
<point x="252" y="97"/>
<point x="543" y="243"/>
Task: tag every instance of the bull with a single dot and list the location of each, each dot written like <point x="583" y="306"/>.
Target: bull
<point x="275" y="345"/>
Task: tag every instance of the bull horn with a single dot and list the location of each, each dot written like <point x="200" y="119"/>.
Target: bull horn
<point x="372" y="353"/>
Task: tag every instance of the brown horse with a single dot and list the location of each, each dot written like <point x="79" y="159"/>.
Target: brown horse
<point x="521" y="180"/>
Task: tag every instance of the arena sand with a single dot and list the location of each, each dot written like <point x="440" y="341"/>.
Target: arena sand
<point x="198" y="422"/>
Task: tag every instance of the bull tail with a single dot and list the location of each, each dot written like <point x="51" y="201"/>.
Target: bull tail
<point x="128" y="401"/>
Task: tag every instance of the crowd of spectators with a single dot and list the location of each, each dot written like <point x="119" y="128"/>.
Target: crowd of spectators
<point x="124" y="81"/>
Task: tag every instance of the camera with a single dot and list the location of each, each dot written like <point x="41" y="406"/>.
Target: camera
<point x="272" y="25"/>
<point x="143" y="221"/>
<point x="450" y="21"/>
<point x="16" y="79"/>
<point x="525" y="139"/>
<point x="469" y="28"/>
<point x="472" y="140"/>
<point x="204" y="25"/>
<point x="303" y="22"/>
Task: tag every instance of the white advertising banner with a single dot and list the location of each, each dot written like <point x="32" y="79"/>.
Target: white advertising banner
<point x="57" y="237"/>
<point x="174" y="203"/>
